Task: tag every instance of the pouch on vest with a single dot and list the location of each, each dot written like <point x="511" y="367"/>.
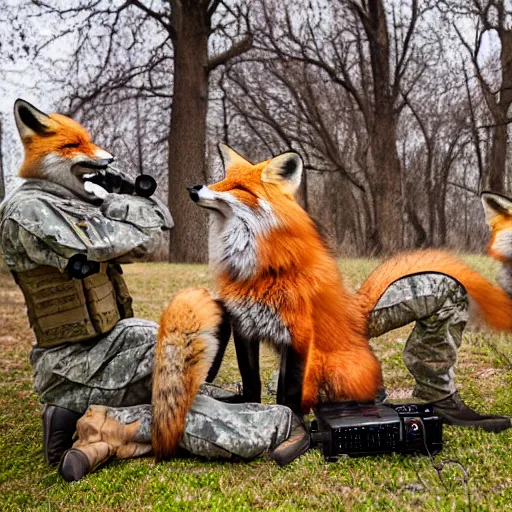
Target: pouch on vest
<point x="63" y="310"/>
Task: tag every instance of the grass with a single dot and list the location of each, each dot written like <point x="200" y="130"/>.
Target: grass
<point x="484" y="376"/>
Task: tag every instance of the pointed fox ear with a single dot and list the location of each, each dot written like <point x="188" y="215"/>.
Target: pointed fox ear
<point x="284" y="170"/>
<point x="31" y="121"/>
<point x="230" y="157"/>
<point x="495" y="204"/>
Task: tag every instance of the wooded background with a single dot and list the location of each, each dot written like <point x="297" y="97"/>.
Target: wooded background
<point x="400" y="108"/>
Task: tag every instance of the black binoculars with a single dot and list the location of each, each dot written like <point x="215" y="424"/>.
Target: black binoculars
<point x="116" y="182"/>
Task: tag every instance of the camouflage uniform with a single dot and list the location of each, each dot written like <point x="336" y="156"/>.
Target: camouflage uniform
<point x="439" y="306"/>
<point x="109" y="363"/>
<point x="214" y="429"/>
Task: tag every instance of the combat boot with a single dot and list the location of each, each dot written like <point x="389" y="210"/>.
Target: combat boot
<point x="101" y="436"/>
<point x="59" y="425"/>
<point x="453" y="411"/>
<point x="79" y="462"/>
<point x="298" y="443"/>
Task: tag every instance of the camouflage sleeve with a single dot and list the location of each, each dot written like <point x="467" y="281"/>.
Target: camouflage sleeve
<point x="23" y="251"/>
<point x="146" y="214"/>
<point x="149" y="215"/>
<point x="48" y="230"/>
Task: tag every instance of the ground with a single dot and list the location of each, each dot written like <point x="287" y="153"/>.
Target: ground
<point x="484" y="376"/>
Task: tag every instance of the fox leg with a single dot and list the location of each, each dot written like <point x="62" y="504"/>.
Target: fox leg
<point x="291" y="375"/>
<point x="310" y="389"/>
<point x="248" y="358"/>
<point x="223" y="335"/>
<point x="213" y="430"/>
<point x="439" y="306"/>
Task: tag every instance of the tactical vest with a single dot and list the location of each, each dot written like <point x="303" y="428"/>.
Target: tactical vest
<point x="64" y="310"/>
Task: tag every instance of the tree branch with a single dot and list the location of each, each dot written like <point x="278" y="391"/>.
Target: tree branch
<point x="235" y="50"/>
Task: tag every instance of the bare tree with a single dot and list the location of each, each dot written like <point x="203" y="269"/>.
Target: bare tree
<point x="439" y="109"/>
<point x="15" y="47"/>
<point x="2" y="177"/>
<point x="348" y="46"/>
<point x="395" y="133"/>
<point x="276" y="106"/>
<point x="284" y="96"/>
<point x="175" y="67"/>
<point x="491" y="16"/>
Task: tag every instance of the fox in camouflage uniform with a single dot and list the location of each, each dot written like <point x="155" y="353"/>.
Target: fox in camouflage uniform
<point x="64" y="237"/>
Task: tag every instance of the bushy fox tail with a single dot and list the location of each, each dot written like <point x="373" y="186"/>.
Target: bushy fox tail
<point x="494" y="304"/>
<point x="185" y="349"/>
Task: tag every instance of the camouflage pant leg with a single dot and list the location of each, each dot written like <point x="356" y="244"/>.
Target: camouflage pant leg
<point x="215" y="429"/>
<point x="439" y="306"/>
<point x="114" y="371"/>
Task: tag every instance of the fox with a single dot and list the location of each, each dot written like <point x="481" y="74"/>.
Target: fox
<point x="186" y="347"/>
<point x="60" y="150"/>
<point x="280" y="283"/>
<point x="490" y="304"/>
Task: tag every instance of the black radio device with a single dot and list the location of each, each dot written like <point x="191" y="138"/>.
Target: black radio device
<point x="355" y="429"/>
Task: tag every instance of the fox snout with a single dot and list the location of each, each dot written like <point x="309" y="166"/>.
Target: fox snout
<point x="194" y="192"/>
<point x="105" y="161"/>
<point x="100" y="158"/>
<point x="95" y="164"/>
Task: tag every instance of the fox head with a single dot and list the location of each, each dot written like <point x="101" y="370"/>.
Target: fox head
<point x="498" y="214"/>
<point x="255" y="220"/>
<point x="57" y="149"/>
<point x="249" y="186"/>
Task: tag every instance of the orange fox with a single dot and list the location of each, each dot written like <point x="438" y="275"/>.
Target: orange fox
<point x="280" y="284"/>
<point x="186" y="346"/>
<point x="59" y="149"/>
<point x="490" y="303"/>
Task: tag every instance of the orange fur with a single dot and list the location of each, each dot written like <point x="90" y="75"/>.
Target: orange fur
<point x="493" y="302"/>
<point x="298" y="279"/>
<point x="185" y="349"/>
<point x="243" y="182"/>
<point x="498" y="224"/>
<point x="62" y="131"/>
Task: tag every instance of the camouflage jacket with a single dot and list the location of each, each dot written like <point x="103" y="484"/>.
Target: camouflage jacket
<point x="43" y="223"/>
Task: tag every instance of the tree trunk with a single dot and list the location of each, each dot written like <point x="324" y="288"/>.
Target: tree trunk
<point x="496" y="169"/>
<point x="187" y="136"/>
<point x="441" y="215"/>
<point x="138" y="127"/>
<point x="382" y="123"/>
<point x="420" y="235"/>
<point x="2" y="177"/>
<point x="387" y="186"/>
<point x="497" y="165"/>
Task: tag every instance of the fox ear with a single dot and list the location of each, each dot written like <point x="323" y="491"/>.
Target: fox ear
<point x="230" y="157"/>
<point x="31" y="121"/>
<point x="494" y="205"/>
<point x="284" y="170"/>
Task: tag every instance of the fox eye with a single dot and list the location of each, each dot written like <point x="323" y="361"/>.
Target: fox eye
<point x="70" y="145"/>
<point x="240" y="188"/>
